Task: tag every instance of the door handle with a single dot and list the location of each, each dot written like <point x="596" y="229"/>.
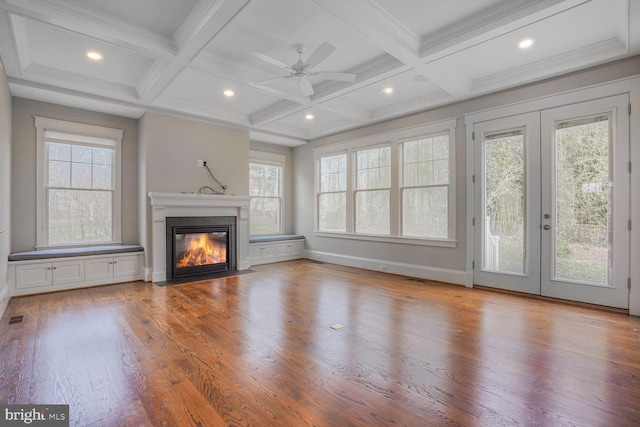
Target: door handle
<point x="547" y="227"/>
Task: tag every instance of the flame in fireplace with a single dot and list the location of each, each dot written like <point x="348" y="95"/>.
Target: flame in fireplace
<point x="202" y="251"/>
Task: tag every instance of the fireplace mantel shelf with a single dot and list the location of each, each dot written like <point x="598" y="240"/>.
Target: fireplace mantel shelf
<point x="194" y="199"/>
<point x="196" y="205"/>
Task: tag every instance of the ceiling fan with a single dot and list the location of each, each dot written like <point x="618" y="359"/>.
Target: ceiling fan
<point x="303" y="70"/>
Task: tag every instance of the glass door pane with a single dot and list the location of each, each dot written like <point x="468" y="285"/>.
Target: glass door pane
<point x="583" y="202"/>
<point x="585" y="241"/>
<point x="507" y="208"/>
<point x="504" y="195"/>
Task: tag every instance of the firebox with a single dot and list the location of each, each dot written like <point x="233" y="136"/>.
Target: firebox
<point x="200" y="245"/>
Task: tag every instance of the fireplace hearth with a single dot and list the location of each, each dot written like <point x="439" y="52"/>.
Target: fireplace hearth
<point x="200" y="246"/>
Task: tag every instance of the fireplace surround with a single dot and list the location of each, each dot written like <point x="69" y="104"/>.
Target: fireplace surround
<point x="188" y="205"/>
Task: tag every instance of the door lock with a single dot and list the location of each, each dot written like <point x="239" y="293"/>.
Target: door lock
<point x="547" y="227"/>
<point x="547" y="216"/>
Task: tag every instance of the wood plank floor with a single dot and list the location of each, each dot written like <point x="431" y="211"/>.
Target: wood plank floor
<point x="258" y="350"/>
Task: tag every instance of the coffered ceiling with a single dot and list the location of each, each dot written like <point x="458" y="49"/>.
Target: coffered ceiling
<point x="180" y="56"/>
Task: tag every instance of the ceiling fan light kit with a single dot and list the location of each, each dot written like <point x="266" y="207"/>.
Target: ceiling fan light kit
<point x="302" y="70"/>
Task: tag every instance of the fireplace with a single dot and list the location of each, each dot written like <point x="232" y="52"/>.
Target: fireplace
<point x="200" y="245"/>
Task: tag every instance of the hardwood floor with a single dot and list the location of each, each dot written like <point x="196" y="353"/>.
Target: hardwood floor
<point x="257" y="349"/>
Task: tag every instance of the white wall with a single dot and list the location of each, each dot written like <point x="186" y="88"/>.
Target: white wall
<point x="287" y="152"/>
<point x="169" y="149"/>
<point x="5" y="186"/>
<point x="440" y="263"/>
<point x="23" y="160"/>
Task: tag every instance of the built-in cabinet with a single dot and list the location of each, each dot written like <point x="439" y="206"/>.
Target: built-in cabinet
<point x="110" y="267"/>
<point x="27" y="277"/>
<point x="49" y="273"/>
<point x="268" y="252"/>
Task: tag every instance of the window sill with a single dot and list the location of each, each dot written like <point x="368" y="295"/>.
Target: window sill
<point x="444" y="243"/>
<point x="77" y="245"/>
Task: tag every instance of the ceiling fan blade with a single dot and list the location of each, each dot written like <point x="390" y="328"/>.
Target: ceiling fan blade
<point x="319" y="55"/>
<point x="306" y="87"/>
<point x="332" y="75"/>
<point x="271" y="60"/>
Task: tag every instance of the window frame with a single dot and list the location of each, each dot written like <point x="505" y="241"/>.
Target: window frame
<point x="357" y="190"/>
<point x="271" y="159"/>
<point x="318" y="191"/>
<point x="394" y="139"/>
<point x="81" y="133"/>
<point x="402" y="187"/>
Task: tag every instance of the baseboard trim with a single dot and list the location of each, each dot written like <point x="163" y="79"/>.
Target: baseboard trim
<point x="148" y="274"/>
<point x="412" y="270"/>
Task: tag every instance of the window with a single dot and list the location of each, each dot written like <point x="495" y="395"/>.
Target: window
<point x="79" y="184"/>
<point x="266" y="172"/>
<point x="332" y="201"/>
<point x="425" y="187"/>
<point x="373" y="190"/>
<point x="397" y="186"/>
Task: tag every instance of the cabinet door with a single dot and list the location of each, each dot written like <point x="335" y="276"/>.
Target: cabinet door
<point x="98" y="268"/>
<point x="294" y="249"/>
<point x="126" y="266"/>
<point x="33" y="275"/>
<point x="68" y="272"/>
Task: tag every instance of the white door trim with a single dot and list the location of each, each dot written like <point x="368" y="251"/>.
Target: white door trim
<point x="629" y="86"/>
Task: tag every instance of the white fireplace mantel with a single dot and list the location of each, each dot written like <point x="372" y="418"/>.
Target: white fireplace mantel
<point x="165" y="205"/>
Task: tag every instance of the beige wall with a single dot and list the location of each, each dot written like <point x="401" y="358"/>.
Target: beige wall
<point x="288" y="178"/>
<point x="23" y="160"/>
<point x="169" y="149"/>
<point x="5" y="186"/>
<point x="446" y="258"/>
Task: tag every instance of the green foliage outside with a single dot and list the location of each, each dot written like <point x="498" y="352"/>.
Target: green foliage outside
<point x="582" y="192"/>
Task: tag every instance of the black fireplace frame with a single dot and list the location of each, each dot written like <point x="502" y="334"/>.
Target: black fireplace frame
<point x="199" y="224"/>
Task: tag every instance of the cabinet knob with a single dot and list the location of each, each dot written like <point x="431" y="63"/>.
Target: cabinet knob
<point x="55" y="268"/>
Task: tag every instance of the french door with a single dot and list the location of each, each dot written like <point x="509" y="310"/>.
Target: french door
<point x="552" y="202"/>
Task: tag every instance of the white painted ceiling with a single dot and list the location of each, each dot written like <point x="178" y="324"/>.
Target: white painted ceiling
<point x="179" y="56"/>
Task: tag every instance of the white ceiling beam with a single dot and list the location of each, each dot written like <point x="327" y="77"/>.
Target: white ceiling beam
<point x="347" y="110"/>
<point x="385" y="31"/>
<point x="107" y="92"/>
<point x="446" y="77"/>
<point x="216" y="18"/>
<point x="274" y="138"/>
<point x="222" y="116"/>
<point x="277" y="111"/>
<point x="19" y="25"/>
<point x="83" y="21"/>
<point x="377" y="25"/>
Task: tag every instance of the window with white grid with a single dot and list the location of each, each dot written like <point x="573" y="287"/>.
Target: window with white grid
<point x="266" y="183"/>
<point x="373" y="190"/>
<point x="425" y="187"/>
<point x="79" y="184"/>
<point x="397" y="186"/>
<point x="332" y="194"/>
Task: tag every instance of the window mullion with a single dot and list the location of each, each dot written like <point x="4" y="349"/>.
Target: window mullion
<point x="395" y="216"/>
<point x="350" y="193"/>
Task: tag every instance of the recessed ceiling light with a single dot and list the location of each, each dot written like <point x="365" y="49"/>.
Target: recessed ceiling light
<point x="309" y="116"/>
<point x="525" y="43"/>
<point x="229" y="93"/>
<point x="388" y="90"/>
<point x="94" y="56"/>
